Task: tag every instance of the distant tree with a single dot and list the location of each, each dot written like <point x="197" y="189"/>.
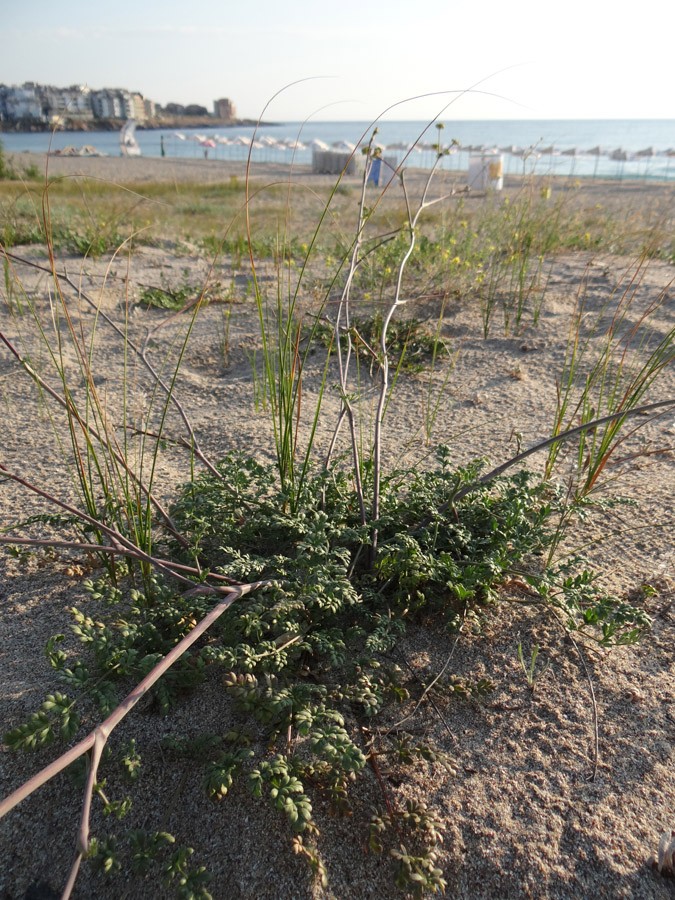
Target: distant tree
<point x="194" y="110"/>
<point x="174" y="109"/>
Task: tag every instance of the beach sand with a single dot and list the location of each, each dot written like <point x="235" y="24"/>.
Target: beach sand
<point x="531" y="811"/>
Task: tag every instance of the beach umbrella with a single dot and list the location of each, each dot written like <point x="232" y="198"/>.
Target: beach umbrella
<point x="344" y="145"/>
<point x="207" y="143"/>
<point x="619" y="155"/>
<point x="177" y="134"/>
<point x="573" y="152"/>
<point x="647" y="152"/>
<point x="223" y="140"/>
<point x="596" y="152"/>
<point x="316" y="144"/>
<point x="241" y="141"/>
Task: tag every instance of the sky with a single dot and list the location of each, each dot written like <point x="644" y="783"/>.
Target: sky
<point x="489" y="59"/>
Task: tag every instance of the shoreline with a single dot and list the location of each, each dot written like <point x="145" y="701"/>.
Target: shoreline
<point x="155" y="169"/>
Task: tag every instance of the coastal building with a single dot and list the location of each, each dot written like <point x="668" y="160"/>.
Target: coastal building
<point x="71" y="103"/>
<point x="150" y="108"/>
<point x="50" y="104"/>
<point x="21" y="102"/>
<point x="224" y="109"/>
<point x="118" y="103"/>
<point x="107" y="104"/>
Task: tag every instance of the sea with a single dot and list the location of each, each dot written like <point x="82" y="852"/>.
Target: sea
<point x="623" y="149"/>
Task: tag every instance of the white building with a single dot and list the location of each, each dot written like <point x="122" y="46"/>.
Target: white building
<point x="22" y="102"/>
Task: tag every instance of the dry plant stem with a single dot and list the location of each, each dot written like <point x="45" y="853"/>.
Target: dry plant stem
<point x="427" y="689"/>
<point x="119" y="543"/>
<point x="194" y="443"/>
<point x="542" y="445"/>
<point x="594" y="705"/>
<point x="98" y="738"/>
<point x="433" y="703"/>
<point x="113" y="551"/>
<point x="344" y="358"/>
<point x="396" y="303"/>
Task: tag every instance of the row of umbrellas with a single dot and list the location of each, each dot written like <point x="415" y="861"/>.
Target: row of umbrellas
<point x="261" y="142"/>
<point x="266" y="141"/>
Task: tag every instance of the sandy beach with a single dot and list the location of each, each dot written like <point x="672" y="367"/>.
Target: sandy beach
<point x="556" y="793"/>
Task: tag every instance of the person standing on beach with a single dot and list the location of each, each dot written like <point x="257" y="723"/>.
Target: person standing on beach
<point x="161" y="144"/>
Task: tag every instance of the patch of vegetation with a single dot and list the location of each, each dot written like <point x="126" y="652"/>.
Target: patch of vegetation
<point x="307" y="661"/>
<point x="409" y="344"/>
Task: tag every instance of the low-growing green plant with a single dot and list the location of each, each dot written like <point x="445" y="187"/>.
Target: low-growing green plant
<point x="531" y="675"/>
<point x="411" y="347"/>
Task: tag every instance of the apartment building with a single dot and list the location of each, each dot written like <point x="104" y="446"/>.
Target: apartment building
<point x="48" y="103"/>
<point x="20" y="102"/>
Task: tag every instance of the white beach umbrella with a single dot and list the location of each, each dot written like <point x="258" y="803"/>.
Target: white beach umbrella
<point x="224" y="140"/>
<point x="241" y="141"/>
<point x="316" y="144"/>
<point x="344" y="145"/>
<point x="177" y="134"/>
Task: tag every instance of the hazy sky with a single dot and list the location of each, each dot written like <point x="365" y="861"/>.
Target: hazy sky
<point x="573" y="59"/>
